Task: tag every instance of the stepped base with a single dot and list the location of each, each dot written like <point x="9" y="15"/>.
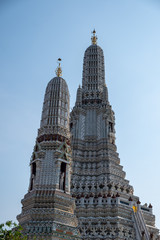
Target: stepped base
<point x="49" y="217"/>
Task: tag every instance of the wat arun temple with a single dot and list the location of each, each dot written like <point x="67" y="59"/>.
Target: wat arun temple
<point x="77" y="187"/>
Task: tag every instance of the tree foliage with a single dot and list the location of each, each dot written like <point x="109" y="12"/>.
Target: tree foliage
<point x="11" y="231"/>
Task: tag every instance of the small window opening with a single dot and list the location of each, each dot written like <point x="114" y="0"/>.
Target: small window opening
<point x="34" y="168"/>
<point x="110" y="126"/>
<point x="36" y="148"/>
<point x="62" y="176"/>
<point x="71" y="126"/>
<point x="33" y="175"/>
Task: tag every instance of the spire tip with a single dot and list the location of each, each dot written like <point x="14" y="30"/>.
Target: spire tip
<point x="94" y="37"/>
<point x="59" y="69"/>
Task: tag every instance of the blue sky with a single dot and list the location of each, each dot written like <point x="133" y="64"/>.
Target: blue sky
<point x="34" y="34"/>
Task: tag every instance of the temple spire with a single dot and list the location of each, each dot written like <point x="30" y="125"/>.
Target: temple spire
<point x="94" y="37"/>
<point x="59" y="69"/>
<point x="93" y="67"/>
<point x="51" y="170"/>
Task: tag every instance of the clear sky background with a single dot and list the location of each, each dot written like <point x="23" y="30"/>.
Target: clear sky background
<point x="33" y="35"/>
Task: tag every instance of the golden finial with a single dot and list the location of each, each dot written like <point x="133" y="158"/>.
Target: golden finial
<point x="59" y="69"/>
<point x="94" y="37"/>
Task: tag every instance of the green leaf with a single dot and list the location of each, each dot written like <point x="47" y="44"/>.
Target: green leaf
<point x="9" y="223"/>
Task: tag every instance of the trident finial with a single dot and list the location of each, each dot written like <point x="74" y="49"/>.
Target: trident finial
<point x="94" y="37"/>
<point x="59" y="69"/>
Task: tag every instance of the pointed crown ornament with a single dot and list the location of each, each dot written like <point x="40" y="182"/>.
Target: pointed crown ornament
<point x="59" y="69"/>
<point x="94" y="37"/>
